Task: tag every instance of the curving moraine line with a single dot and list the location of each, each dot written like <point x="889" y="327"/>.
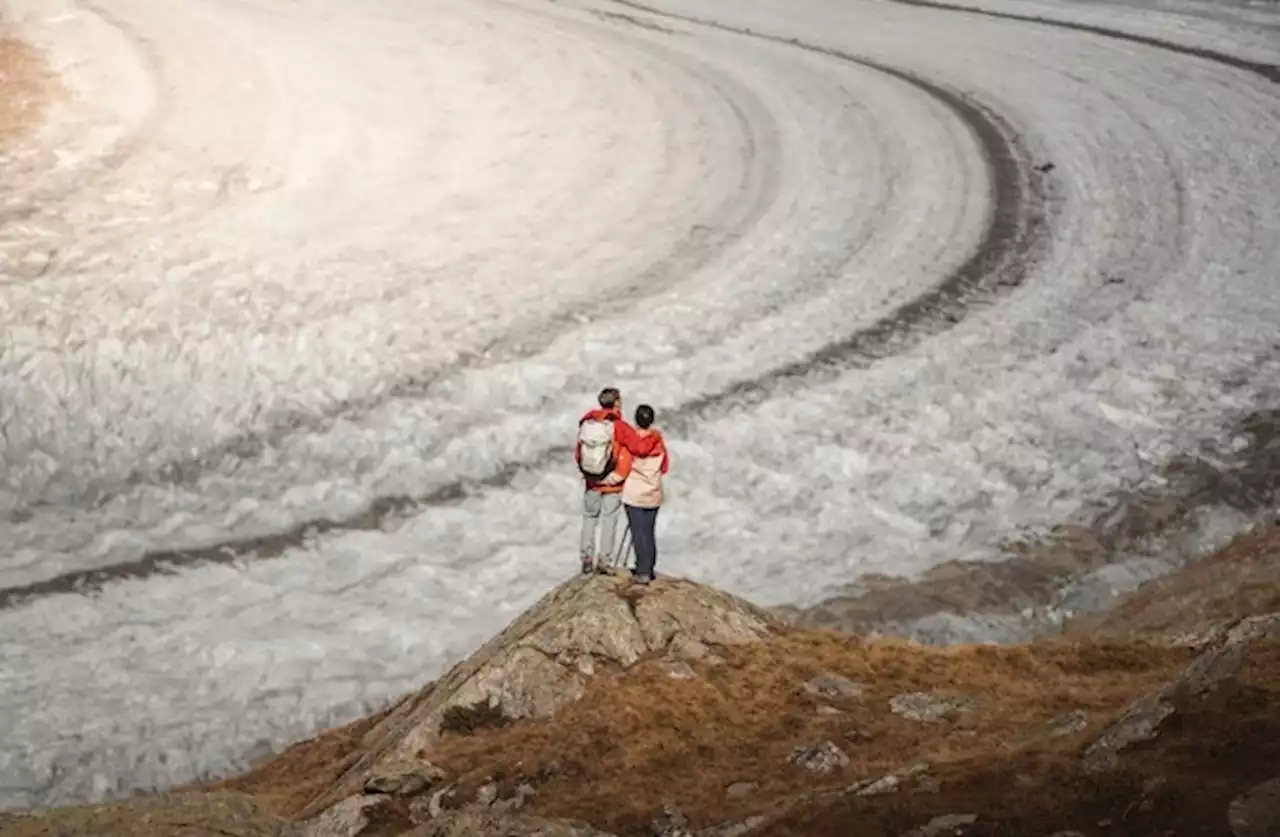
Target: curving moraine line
<point x="1016" y="232"/>
<point x="698" y="247"/>
<point x="1271" y="72"/>
<point x="748" y="202"/>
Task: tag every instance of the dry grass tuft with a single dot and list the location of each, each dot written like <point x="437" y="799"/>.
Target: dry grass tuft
<point x="466" y="720"/>
<point x="288" y="782"/>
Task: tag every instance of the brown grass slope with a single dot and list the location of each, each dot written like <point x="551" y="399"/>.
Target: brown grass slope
<point x="1014" y="760"/>
<point x="645" y="739"/>
<point x="1180" y="783"/>
<point x="1010" y="757"/>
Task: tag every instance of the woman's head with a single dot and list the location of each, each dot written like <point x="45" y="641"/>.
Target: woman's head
<point x="644" y="416"/>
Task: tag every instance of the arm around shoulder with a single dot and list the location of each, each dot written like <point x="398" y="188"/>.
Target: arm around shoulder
<point x="621" y="468"/>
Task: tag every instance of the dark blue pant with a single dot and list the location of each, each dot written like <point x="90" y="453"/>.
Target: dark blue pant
<point x="642" y="522"/>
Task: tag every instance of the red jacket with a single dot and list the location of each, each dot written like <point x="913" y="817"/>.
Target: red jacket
<point x="643" y="445"/>
<point x="621" y="455"/>
<point x="627" y="437"/>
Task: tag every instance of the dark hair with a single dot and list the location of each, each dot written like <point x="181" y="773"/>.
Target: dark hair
<point x="609" y="397"/>
<point x="644" y="416"/>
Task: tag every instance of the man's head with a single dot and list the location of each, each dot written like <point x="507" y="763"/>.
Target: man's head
<point x="644" y="416"/>
<point x="610" y="398"/>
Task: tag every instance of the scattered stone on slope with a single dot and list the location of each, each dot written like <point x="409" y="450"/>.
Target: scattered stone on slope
<point x="420" y="809"/>
<point x="736" y="828"/>
<point x="679" y="670"/>
<point x="492" y="824"/>
<point x="928" y="784"/>
<point x="829" y="711"/>
<point x="404" y="776"/>
<point x="948" y="825"/>
<point x="692" y="650"/>
<point x="192" y="814"/>
<point x="434" y="806"/>
<point x="833" y="687"/>
<point x="672" y="823"/>
<point x="523" y="793"/>
<point x="877" y="787"/>
<point x="889" y="783"/>
<point x="1195" y="638"/>
<point x="1256" y="813"/>
<point x="490" y="796"/>
<point x="741" y="790"/>
<point x="544" y="659"/>
<point x="1068" y="724"/>
<point x="1141" y="721"/>
<point x="346" y="819"/>
<point x="486" y="795"/>
<point x="822" y="757"/>
<point x="929" y="708"/>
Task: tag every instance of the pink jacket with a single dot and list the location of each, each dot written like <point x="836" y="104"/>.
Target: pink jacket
<point x="649" y="461"/>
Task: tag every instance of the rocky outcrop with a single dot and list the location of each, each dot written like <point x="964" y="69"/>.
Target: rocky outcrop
<point x="823" y="757"/>
<point x="404" y="777"/>
<point x="346" y="819"/>
<point x="1142" y="720"/>
<point x="929" y="708"/>
<point x="587" y="627"/>
<point x="163" y="815"/>
<point x="833" y="687"/>
<point x="891" y="782"/>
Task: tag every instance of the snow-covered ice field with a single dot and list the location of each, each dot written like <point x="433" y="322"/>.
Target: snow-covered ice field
<point x="327" y="283"/>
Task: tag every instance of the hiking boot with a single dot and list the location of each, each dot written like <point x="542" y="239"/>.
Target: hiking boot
<point x="588" y="565"/>
<point x="642" y="580"/>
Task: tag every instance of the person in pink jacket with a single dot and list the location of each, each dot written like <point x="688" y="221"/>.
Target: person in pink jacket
<point x="642" y="490"/>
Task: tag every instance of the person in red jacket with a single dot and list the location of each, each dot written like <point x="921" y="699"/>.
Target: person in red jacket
<point x="605" y="463"/>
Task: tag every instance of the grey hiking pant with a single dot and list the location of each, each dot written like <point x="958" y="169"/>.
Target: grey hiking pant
<point x="601" y="509"/>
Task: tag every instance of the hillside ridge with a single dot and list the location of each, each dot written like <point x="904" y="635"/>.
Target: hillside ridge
<point x="752" y="726"/>
<point x="678" y="710"/>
